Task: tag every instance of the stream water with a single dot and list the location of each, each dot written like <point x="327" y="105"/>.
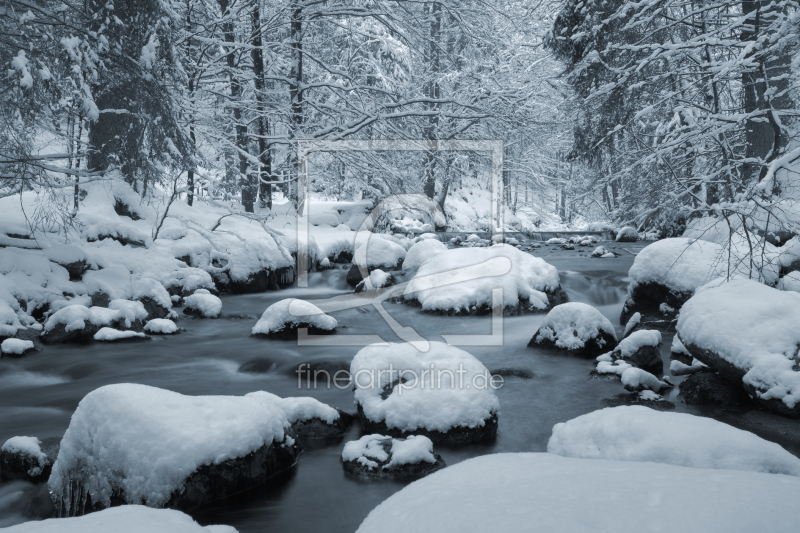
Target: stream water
<point x="38" y="393"/>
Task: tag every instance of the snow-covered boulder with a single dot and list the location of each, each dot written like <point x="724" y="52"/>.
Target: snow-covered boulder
<point x="461" y="281"/>
<point x="69" y="256"/>
<point x="421" y="252"/>
<point x="445" y="393"/>
<point x="28" y="458"/>
<point x="636" y="380"/>
<point x="669" y="271"/>
<point x="202" y="304"/>
<point x="123" y="519"/>
<point x="627" y="234"/>
<point x="640" y="349"/>
<point x="578" y="328"/>
<point x="115" y="282"/>
<point x="381" y="457"/>
<point x="77" y="323"/>
<point x="507" y="492"/>
<point x="116" y="335"/>
<point x="377" y="279"/>
<point x="132" y="314"/>
<point x="380" y="252"/>
<point x="130" y="443"/>
<point x="636" y="433"/>
<point x="185" y="281"/>
<point x="16" y="347"/>
<point x="556" y="240"/>
<point x="282" y="320"/>
<point x="161" y="326"/>
<point x="748" y="333"/>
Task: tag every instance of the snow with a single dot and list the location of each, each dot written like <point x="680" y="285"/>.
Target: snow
<point x="207" y="304"/>
<point x="111" y="334"/>
<point x="290" y="312"/>
<point x="678" y="263"/>
<point x="123" y="519"/>
<point x="753" y="327"/>
<point x="518" y="274"/>
<point x="572" y="324"/>
<point x="628" y="233"/>
<point x="556" y="240"/>
<point x="145" y="441"/>
<point x="129" y="310"/>
<point x="548" y="493"/>
<point x="421" y="252"/>
<point x="16" y="346"/>
<point x="790" y="282"/>
<point x="27" y="446"/>
<point x="678" y="347"/>
<point x="636" y="340"/>
<point x="301" y="409"/>
<point x="64" y="254"/>
<point x="635" y="378"/>
<point x="612" y="367"/>
<point x="638" y="433"/>
<point x="446" y="387"/>
<point x="377" y="279"/>
<point x="379" y="252"/>
<point x="74" y="317"/>
<point x="162" y="326"/>
<point x="633" y="321"/>
<point x="412" y="450"/>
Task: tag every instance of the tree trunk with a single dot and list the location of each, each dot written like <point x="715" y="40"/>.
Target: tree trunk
<point x="264" y="155"/>
<point x="432" y="92"/>
<point x="296" y="86"/>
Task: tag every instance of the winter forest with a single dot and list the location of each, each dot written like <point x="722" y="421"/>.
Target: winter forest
<point x="393" y="265"/>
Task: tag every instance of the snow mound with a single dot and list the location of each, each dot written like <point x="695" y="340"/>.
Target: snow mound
<point x="547" y="493"/>
<point x="65" y="254"/>
<point x="636" y="340"/>
<point x="123" y="519"/>
<point x="636" y="379"/>
<point x="627" y="234"/>
<point x="161" y="326"/>
<point x="74" y="317"/>
<point x="572" y="325"/>
<point x="525" y="280"/>
<point x="421" y="252"/>
<point x="112" y="335"/>
<point x="379" y="252"/>
<point x="678" y="263"/>
<point x="752" y="334"/>
<point x="203" y="304"/>
<point x="16" y="346"/>
<point x="637" y="433"/>
<point x="29" y="446"/>
<point x="377" y="279"/>
<point x="144" y="442"/>
<point x="556" y="240"/>
<point x="292" y="313"/>
<point x="129" y="311"/>
<point x="414" y="449"/>
<point x="454" y="390"/>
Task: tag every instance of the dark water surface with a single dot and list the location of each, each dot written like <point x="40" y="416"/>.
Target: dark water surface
<point x="39" y="393"/>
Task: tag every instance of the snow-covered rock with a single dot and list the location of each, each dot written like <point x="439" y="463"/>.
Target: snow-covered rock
<point x="633" y="324"/>
<point x="115" y="282"/>
<point x="161" y="326"/>
<point x="709" y="388"/>
<point x="748" y="333"/>
<point x="636" y="433"/>
<point x="548" y="493"/>
<point x="379" y="456"/>
<point x="576" y="327"/>
<point x="380" y="252"/>
<point x="130" y="443"/>
<point x="640" y="349"/>
<point x="377" y="279"/>
<point x="132" y="314"/>
<point x="16" y="347"/>
<point x="637" y="380"/>
<point x="282" y="320"/>
<point x="202" y="304"/>
<point x="27" y="458"/>
<point x="556" y="240"/>
<point x="69" y="256"/>
<point x="310" y="418"/>
<point x="116" y="335"/>
<point x="77" y="323"/>
<point x="123" y="519"/>
<point x="421" y="252"/>
<point x="445" y="393"/>
<point x="627" y="234"/>
<point x="461" y="281"/>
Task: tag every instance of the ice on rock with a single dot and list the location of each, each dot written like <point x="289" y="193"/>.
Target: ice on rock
<point x="202" y="304"/>
<point x="15" y="346"/>
<point x="380" y="456"/>
<point x="123" y="519"/>
<point x="444" y="393"/>
<point x="748" y="332"/>
<point x="576" y="327"/>
<point x="142" y="444"/>
<point x="637" y="433"/>
<point x="287" y="315"/>
<point x="462" y="280"/>
<point x="495" y="493"/>
<point x="422" y="252"/>
<point x="161" y="326"/>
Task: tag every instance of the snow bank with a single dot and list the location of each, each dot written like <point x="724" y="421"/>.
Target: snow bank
<point x="453" y="391"/>
<point x="161" y="326"/>
<point x="144" y="441"/>
<point x="547" y="493"/>
<point x="421" y="252"/>
<point x="203" y="304"/>
<point x="124" y="519"/>
<point x="526" y="281"/>
<point x="637" y="433"/>
<point x="16" y="346"/>
<point x="292" y="313"/>
<point x="112" y="335"/>
<point x="572" y="325"/>
<point x="29" y="446"/>
<point x="746" y="330"/>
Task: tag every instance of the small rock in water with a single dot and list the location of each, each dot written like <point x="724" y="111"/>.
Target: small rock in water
<point x="382" y="457"/>
<point x="709" y="388"/>
<point x="636" y="399"/>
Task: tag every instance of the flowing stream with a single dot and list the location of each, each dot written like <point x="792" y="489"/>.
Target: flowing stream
<point x="38" y="393"/>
